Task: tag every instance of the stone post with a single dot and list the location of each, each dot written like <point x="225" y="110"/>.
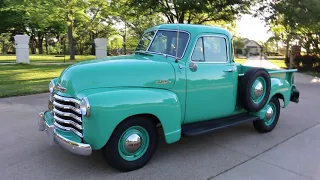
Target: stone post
<point x="295" y="50"/>
<point x="101" y="47"/>
<point x="22" y="48"/>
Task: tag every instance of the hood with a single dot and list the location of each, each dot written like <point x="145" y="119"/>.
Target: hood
<point x="125" y="71"/>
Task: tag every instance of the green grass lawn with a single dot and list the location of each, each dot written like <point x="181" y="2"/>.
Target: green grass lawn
<point x="276" y="57"/>
<point x="46" y="58"/>
<point x="239" y="60"/>
<point x="279" y="63"/>
<point x="22" y="79"/>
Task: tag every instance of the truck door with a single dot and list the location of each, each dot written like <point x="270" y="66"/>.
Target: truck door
<point x="212" y="87"/>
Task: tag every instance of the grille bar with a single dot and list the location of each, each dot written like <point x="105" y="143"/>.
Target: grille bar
<point x="78" y="126"/>
<point x="68" y="129"/>
<point x="67" y="107"/>
<point x="67" y="115"/>
<point x="66" y="99"/>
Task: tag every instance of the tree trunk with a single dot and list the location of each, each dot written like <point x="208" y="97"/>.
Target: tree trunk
<point x="47" y="49"/>
<point x="125" y="39"/>
<point x="3" y="48"/>
<point x="287" y="47"/>
<point x="93" y="46"/>
<point x="81" y="49"/>
<point x="39" y="44"/>
<point x="71" y="43"/>
<point x="33" y="46"/>
<point x="181" y="18"/>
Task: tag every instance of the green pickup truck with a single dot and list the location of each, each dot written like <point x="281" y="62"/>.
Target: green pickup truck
<point x="180" y="81"/>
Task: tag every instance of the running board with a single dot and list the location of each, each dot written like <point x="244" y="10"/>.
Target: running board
<point x="198" y="128"/>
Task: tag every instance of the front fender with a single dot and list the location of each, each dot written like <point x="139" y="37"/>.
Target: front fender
<point x="110" y="106"/>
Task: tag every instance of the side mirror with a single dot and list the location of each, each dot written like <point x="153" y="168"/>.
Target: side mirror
<point x="193" y="66"/>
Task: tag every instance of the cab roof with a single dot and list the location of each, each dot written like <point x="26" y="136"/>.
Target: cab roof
<point x="193" y="28"/>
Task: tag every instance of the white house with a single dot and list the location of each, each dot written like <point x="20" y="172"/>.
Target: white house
<point x="251" y="47"/>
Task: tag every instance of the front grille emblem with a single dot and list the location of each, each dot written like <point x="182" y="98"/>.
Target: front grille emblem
<point x="60" y="88"/>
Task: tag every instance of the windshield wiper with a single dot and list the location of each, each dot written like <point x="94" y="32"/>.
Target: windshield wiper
<point x="165" y="55"/>
<point x="143" y="52"/>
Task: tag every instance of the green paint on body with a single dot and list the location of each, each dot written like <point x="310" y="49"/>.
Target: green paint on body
<point x="124" y="86"/>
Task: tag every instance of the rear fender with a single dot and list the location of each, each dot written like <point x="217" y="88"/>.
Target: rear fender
<point x="109" y="107"/>
<point x="280" y="87"/>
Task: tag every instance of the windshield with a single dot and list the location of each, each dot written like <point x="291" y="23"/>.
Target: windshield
<point x="164" y="42"/>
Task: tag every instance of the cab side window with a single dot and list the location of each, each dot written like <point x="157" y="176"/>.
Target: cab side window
<point x="198" y="53"/>
<point x="210" y="49"/>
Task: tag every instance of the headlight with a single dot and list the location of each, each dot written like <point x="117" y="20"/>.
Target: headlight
<point x="51" y="86"/>
<point x="85" y="107"/>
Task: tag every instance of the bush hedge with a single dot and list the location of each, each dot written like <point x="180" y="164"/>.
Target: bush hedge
<point x="306" y="63"/>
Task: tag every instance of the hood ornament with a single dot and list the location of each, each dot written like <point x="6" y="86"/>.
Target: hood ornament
<point x="60" y="88"/>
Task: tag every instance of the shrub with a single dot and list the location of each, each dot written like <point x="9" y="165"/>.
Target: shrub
<point x="239" y="51"/>
<point x="306" y="63"/>
<point x="287" y="61"/>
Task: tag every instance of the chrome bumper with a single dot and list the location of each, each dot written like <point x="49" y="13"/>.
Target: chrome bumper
<point x="54" y="138"/>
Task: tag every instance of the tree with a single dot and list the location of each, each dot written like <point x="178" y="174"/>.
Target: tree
<point x="11" y="19"/>
<point x="293" y="19"/>
<point x="79" y="18"/>
<point x="238" y="42"/>
<point x="133" y="22"/>
<point x="196" y="11"/>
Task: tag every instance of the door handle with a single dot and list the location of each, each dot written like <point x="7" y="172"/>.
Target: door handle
<point x="228" y="70"/>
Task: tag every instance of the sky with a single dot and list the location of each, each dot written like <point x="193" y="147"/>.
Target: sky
<point x="252" y="28"/>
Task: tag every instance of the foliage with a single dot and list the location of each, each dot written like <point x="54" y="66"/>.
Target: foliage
<point x="6" y="46"/>
<point x="294" y="20"/>
<point x="308" y="63"/>
<point x="57" y="26"/>
<point x="196" y="11"/>
<point x="238" y="44"/>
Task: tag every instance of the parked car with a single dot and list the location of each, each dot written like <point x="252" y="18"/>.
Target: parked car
<point x="181" y="78"/>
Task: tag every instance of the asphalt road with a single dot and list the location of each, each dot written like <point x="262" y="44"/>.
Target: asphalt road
<point x="290" y="152"/>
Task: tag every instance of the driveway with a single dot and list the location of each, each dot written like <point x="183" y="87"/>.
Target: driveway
<point x="257" y="61"/>
<point x="290" y="152"/>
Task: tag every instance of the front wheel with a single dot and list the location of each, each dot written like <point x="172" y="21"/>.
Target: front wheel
<point x="132" y="144"/>
<point x="271" y="118"/>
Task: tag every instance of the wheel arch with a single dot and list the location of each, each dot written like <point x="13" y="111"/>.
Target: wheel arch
<point x="280" y="97"/>
<point x="110" y="108"/>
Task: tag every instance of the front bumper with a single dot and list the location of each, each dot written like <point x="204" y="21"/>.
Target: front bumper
<point x="295" y="94"/>
<point x="55" y="138"/>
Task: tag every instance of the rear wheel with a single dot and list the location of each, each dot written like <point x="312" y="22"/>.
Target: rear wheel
<point x="132" y="144"/>
<point x="271" y="118"/>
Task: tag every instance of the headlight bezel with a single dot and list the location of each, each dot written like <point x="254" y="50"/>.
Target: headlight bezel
<point x="85" y="107"/>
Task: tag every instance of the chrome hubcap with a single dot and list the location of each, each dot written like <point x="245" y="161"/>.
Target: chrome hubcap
<point x="133" y="143"/>
<point x="269" y="113"/>
<point x="258" y="90"/>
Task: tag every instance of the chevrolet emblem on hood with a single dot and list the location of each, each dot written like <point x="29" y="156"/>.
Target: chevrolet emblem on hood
<point x="60" y="88"/>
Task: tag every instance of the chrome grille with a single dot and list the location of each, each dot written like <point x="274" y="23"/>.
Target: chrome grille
<point x="67" y="115"/>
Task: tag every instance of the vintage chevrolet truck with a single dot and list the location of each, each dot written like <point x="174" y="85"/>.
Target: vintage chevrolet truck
<point x="181" y="80"/>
